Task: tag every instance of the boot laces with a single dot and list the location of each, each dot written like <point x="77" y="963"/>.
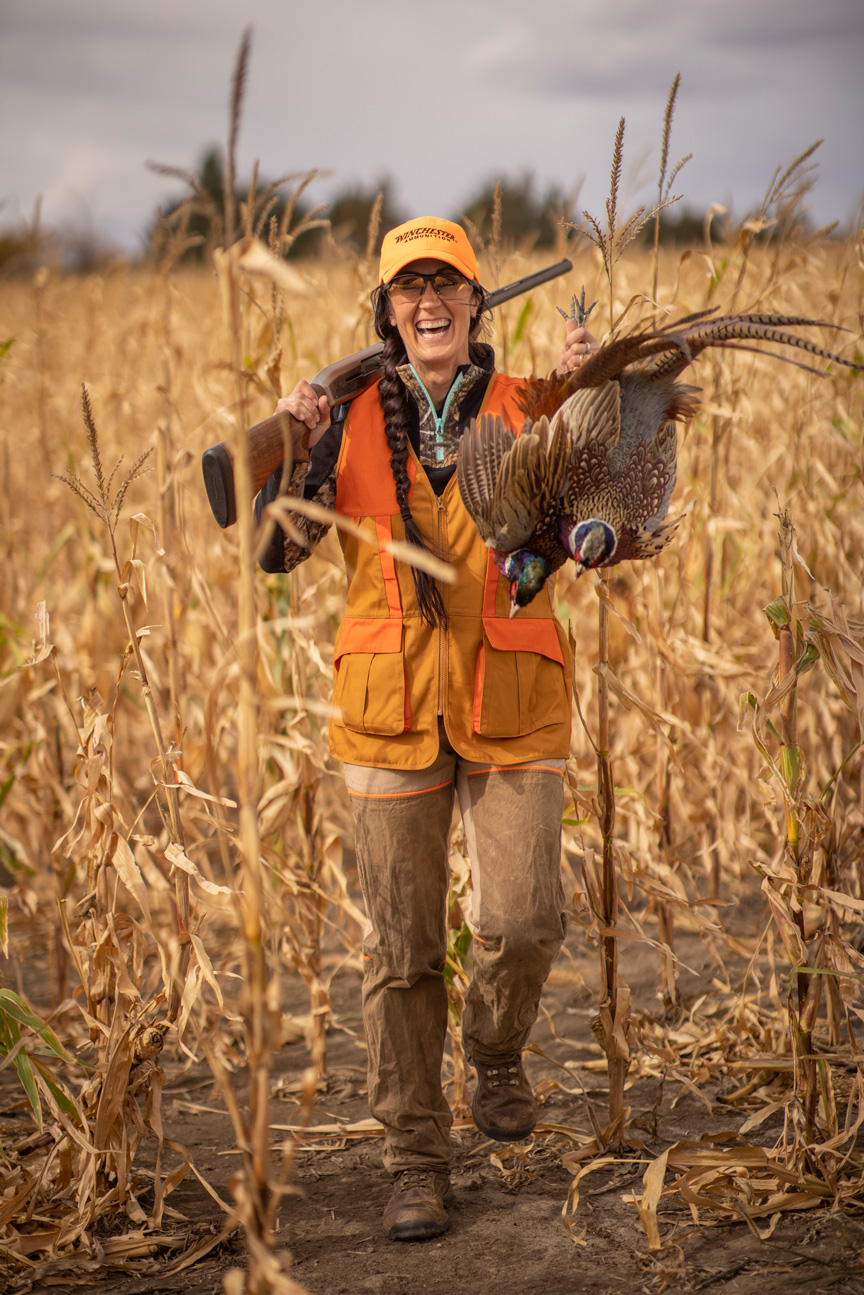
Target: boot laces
<point x="502" y="1074"/>
<point x="411" y="1178"/>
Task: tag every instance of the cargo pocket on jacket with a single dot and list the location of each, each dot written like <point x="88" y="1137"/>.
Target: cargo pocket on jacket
<point x="520" y="684"/>
<point x="369" y="683"/>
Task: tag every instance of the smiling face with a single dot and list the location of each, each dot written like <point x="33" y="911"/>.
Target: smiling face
<point x="435" y="332"/>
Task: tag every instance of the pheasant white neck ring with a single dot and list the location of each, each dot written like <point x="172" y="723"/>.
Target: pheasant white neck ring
<point x="590" y="544"/>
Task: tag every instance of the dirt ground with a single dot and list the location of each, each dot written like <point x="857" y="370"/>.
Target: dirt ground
<point x="506" y="1231"/>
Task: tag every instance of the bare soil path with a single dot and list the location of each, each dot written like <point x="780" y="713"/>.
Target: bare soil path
<point x="506" y="1231"/>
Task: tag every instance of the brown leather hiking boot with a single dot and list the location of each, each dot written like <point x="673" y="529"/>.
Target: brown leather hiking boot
<point x="503" y="1107"/>
<point x="416" y="1208"/>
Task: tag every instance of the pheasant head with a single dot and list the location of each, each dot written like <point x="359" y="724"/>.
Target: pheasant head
<point x="590" y="544"/>
<point x="526" y="573"/>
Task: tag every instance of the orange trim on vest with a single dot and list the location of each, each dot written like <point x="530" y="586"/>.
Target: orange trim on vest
<point x="384" y="531"/>
<point x="479" y="680"/>
<point x="490" y="587"/>
<point x="502" y="397"/>
<point x="362" y="488"/>
<point x="516" y="768"/>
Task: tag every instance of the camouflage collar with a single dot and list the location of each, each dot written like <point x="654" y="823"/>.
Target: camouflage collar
<point x="439" y="434"/>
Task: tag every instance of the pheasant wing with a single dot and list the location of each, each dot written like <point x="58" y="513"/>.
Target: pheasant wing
<point x="530" y="485"/>
<point x="509" y="483"/>
<point x="592" y="415"/>
<point x="482" y="449"/>
<point x="491" y="466"/>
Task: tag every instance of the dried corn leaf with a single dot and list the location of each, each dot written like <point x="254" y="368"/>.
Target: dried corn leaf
<point x="652" y="1181"/>
<point x="655" y="718"/>
<point x="185" y="783"/>
<point x="130" y="874"/>
<point x="256" y="258"/>
<point x="571" y="1204"/>
<point x="179" y="859"/>
<point x="206" y="967"/>
<point x="408" y="553"/>
<point x="113" y="1089"/>
<point x="786" y="925"/>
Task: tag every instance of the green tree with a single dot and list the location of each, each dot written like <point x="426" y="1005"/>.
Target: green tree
<point x="353" y="216"/>
<point x="269" y="209"/>
<point x="526" y="217"/>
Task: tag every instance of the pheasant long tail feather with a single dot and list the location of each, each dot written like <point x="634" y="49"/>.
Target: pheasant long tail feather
<point x="543" y="397"/>
<point x="730" y="332"/>
<point x="606" y="363"/>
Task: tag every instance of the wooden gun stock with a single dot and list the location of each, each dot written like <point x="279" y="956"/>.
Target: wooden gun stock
<point x="267" y="443"/>
<point x="339" y="382"/>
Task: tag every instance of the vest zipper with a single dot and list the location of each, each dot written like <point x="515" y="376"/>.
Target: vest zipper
<point x="442" y="633"/>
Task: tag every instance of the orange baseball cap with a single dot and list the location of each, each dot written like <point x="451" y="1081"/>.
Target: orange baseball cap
<point x="427" y="237"/>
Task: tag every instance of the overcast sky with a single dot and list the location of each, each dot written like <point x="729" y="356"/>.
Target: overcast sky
<point x="439" y="94"/>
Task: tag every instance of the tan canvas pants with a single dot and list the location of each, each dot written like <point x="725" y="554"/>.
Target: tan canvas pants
<point x="512" y="818"/>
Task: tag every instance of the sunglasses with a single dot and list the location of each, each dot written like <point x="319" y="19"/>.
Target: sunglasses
<point x="449" y="285"/>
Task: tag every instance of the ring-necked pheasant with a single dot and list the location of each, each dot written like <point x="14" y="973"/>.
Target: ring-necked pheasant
<point x="592" y="474"/>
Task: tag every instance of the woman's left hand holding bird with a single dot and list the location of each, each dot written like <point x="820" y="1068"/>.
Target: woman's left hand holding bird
<point x="578" y="343"/>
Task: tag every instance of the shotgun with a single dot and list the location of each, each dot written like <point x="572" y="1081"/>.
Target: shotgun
<point x="339" y="382"/>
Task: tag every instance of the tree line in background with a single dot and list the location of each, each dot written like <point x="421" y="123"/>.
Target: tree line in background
<point x="281" y="213"/>
<point x="527" y="216"/>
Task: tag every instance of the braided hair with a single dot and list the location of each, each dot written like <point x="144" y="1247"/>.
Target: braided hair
<point x="395" y="404"/>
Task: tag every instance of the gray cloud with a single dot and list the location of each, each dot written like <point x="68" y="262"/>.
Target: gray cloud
<point x="440" y="96"/>
<point x="719" y="49"/>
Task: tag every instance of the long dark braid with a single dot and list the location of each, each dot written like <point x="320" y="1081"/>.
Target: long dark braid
<point x="394" y="402"/>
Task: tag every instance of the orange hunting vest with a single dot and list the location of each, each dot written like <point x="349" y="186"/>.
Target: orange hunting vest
<point x="502" y="686"/>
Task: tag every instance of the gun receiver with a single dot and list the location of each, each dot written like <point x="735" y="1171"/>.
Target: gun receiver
<point x="339" y="382"/>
